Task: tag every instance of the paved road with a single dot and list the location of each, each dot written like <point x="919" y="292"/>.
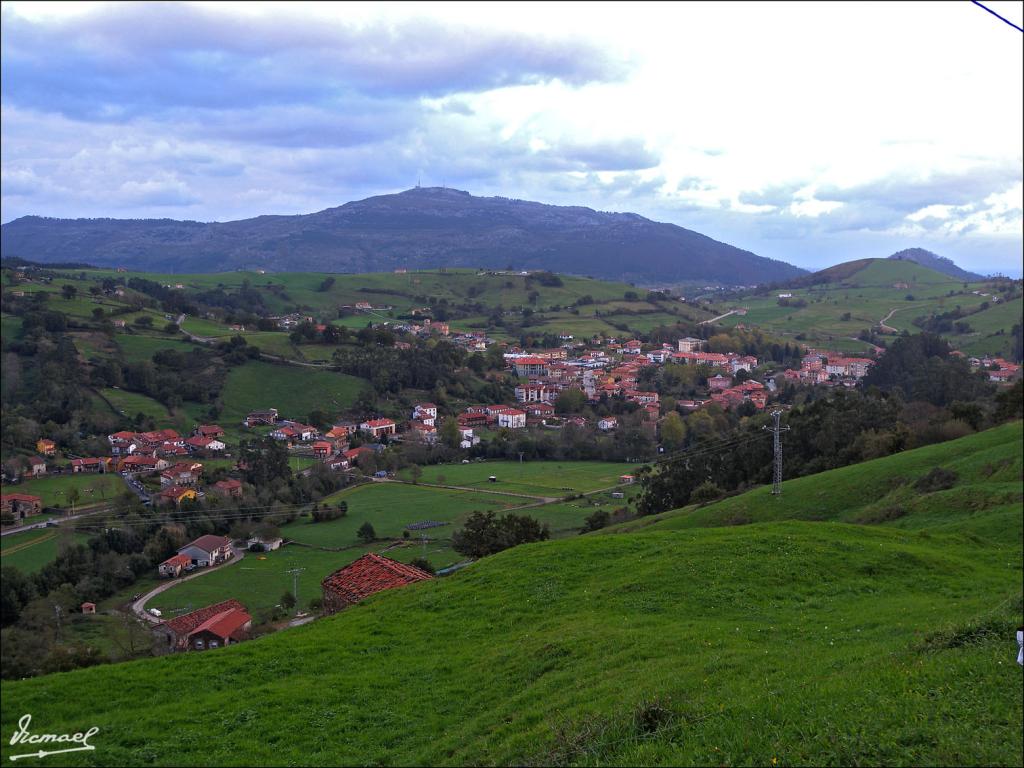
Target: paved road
<point x="139" y="606"/>
<point x="58" y="520"/>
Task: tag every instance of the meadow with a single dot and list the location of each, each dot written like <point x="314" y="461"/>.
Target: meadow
<point x="535" y="478"/>
<point x="29" y="551"/>
<point x="668" y="648"/>
<point x="983" y="496"/>
<point x="54" y="489"/>
<point x="293" y="390"/>
<point x="896" y="291"/>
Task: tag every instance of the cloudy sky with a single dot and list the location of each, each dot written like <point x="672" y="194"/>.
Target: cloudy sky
<point x="813" y="133"/>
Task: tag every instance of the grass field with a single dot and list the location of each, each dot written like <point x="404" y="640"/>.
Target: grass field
<point x="837" y="311"/>
<point x="29" y="551"/>
<point x="294" y="391"/>
<point x="671" y="648"/>
<point x="137" y="347"/>
<point x="535" y="478"/>
<point x="54" y="489"/>
<point x="389" y="508"/>
<point x="984" y="499"/>
<point x="129" y="404"/>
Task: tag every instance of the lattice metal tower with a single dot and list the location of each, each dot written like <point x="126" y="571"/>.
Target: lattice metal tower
<point x="776" y="431"/>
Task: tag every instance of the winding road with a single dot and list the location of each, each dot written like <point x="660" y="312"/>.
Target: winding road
<point x="139" y="606"/>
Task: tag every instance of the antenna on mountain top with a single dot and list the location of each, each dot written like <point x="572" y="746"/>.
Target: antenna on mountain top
<point x="417" y="181"/>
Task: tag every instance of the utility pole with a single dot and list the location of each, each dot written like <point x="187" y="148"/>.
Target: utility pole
<point x="295" y="582"/>
<point x="776" y="431"/>
<point x="56" y="612"/>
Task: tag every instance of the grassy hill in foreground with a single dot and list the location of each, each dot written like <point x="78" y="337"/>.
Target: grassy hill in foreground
<point x="791" y="642"/>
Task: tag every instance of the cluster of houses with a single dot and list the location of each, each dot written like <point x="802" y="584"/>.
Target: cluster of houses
<point x="999" y="370"/>
<point x="824" y="367"/>
<point x="229" y="622"/>
<point x="206" y="439"/>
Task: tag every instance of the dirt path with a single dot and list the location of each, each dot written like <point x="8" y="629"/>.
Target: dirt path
<point x="716" y="319"/>
<point x="889" y="328"/>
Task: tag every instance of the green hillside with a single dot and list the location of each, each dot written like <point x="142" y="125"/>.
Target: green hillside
<point x="672" y="647"/>
<point x="830" y="308"/>
<point x="983" y="497"/>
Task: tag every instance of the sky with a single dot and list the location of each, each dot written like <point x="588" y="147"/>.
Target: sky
<point x="814" y="133"/>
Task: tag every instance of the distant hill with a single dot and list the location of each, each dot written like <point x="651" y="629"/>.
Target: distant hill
<point x="876" y="273"/>
<point x="936" y="262"/>
<point x="415" y="229"/>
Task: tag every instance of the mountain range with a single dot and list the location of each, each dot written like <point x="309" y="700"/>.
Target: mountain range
<point x="936" y="262"/>
<point x="415" y="229"/>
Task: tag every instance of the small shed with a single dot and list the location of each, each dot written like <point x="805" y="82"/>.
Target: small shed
<point x="88" y="607"/>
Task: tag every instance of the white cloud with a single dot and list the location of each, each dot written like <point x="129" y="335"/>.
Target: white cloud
<point x="757" y="123"/>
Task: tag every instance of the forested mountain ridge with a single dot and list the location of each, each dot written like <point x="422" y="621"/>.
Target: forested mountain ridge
<point x="418" y="228"/>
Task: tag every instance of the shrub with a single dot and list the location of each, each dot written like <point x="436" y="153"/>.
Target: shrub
<point x="938" y="479"/>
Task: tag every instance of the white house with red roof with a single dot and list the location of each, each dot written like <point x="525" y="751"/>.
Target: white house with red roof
<point x="379" y="427"/>
<point x="208" y="550"/>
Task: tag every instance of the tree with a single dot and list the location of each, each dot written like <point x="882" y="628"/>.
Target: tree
<point x="705" y="492"/>
<point x="570" y="401"/>
<point x="484" y="533"/>
<point x="415" y="472"/>
<point x="366" y="533"/>
<point x="143" y="321"/>
<point x="287" y="600"/>
<point x="595" y="521"/>
<point x="450" y="434"/>
<point x="171" y="327"/>
<point x="673" y="431"/>
<point x="68" y="291"/>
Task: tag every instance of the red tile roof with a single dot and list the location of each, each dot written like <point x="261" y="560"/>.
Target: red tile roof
<point x="181" y="560"/>
<point x="209" y="542"/>
<point x="370" y="574"/>
<point x="187" y="623"/>
<point x="225" y="624"/>
<point x="21" y="497"/>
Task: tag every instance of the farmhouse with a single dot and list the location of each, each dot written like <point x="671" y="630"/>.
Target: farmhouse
<point x="322" y="449"/>
<point x="224" y="623"/>
<point x="256" y="418"/>
<point x="425" y="412"/>
<point x="181" y="474"/>
<point x="368" y="575"/>
<point x="209" y="430"/>
<point x="200" y="444"/>
<point x="46" y="447"/>
<point x="20" y="505"/>
<point x="378" y="427"/>
<point x="208" y="550"/>
<point x="530" y="366"/>
<point x="507" y="416"/>
<point x="231" y="488"/>
<point x="90" y="465"/>
<point x="175" y="495"/>
<point x="173" y="566"/>
<point x="607" y="424"/>
<point x="36" y="466"/>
